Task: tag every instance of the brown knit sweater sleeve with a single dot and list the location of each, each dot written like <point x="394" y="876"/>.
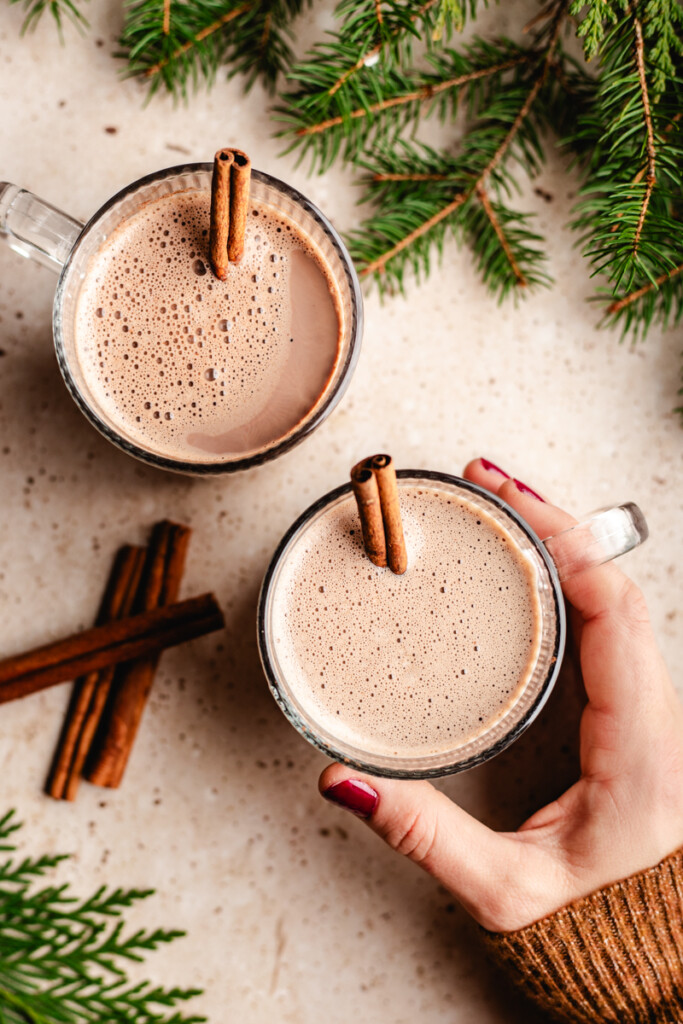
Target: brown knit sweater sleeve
<point x="615" y="955"/>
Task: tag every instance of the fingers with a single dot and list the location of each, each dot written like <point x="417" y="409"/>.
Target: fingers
<point x="420" y="823"/>
<point x="600" y="592"/>
<point x="618" y="650"/>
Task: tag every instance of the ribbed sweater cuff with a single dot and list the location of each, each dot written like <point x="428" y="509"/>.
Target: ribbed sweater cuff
<point x="615" y="955"/>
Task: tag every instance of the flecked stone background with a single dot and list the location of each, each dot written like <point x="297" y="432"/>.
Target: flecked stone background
<point x="294" y="911"/>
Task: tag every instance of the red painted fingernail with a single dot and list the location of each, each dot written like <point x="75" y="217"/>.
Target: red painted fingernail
<point x="493" y="468"/>
<point x="527" y="490"/>
<point x="354" y="795"/>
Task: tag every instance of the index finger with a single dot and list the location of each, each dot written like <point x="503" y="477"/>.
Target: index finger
<point x="595" y="592"/>
<point x="618" y="649"/>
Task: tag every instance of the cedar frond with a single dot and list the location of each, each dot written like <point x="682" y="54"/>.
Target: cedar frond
<point x="61" y="958"/>
<point x="597" y="17"/>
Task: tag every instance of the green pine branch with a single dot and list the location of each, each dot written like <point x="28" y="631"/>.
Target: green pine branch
<point x="179" y="45"/>
<point x="61" y="11"/>
<point x="631" y="139"/>
<point x="467" y="194"/>
<point x="62" y="958"/>
<point x="421" y="196"/>
<point x="323" y="119"/>
<point x="662" y="23"/>
<point x="358" y="94"/>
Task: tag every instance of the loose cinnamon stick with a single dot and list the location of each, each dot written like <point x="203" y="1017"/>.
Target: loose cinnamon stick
<point x="366" y="491"/>
<point x="220" y="213"/>
<point x="385" y="474"/>
<point x="374" y="485"/>
<point x="99" y="699"/>
<point x="77" y="730"/>
<point x="166" y="561"/>
<point x="113" y="642"/>
<point x="240" y="182"/>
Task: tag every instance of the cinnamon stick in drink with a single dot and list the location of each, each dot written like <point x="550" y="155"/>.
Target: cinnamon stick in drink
<point x="114" y="642"/>
<point x="240" y="182"/>
<point x="220" y="213"/>
<point x="376" y="491"/>
<point x="366" y="492"/>
<point x="90" y="691"/>
<point x="133" y="682"/>
<point x="385" y="474"/>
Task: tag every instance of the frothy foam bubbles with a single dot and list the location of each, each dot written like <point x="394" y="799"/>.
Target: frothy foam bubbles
<point x="198" y="369"/>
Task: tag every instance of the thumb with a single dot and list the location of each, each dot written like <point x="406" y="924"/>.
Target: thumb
<point x="476" y="864"/>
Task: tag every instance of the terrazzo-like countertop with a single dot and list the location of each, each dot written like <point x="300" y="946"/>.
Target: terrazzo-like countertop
<point x="294" y="911"/>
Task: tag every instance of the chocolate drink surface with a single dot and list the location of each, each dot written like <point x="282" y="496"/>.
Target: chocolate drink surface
<point x="416" y="664"/>
<point x="195" y="369"/>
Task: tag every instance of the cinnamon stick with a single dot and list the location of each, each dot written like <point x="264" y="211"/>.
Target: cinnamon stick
<point x="376" y="491"/>
<point x="240" y="182"/>
<point x="133" y="683"/>
<point x="220" y="213"/>
<point x="366" y="491"/>
<point x="113" y="642"/>
<point x="78" y="729"/>
<point x="385" y="474"/>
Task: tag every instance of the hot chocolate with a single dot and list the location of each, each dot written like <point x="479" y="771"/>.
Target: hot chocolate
<point x="407" y="665"/>
<point x="198" y="370"/>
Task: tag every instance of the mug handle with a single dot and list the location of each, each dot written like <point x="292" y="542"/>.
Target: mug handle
<point x="34" y="228"/>
<point x="600" y="537"/>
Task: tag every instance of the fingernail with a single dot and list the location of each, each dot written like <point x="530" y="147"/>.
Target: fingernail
<point x="527" y="490"/>
<point x="354" y="795"/>
<point x="493" y="468"/>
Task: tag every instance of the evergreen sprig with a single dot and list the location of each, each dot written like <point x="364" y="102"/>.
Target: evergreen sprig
<point x="363" y="92"/>
<point x="325" y="118"/>
<point x="420" y="195"/>
<point x="354" y="84"/>
<point x="60" y="10"/>
<point x="631" y="139"/>
<point x="62" y="959"/>
<point x="623" y="124"/>
<point x="178" y="45"/>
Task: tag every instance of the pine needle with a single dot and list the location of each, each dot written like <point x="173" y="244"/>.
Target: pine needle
<point x="60" y="10"/>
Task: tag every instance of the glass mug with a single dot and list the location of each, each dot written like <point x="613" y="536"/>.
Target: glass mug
<point x="599" y="538"/>
<point x="37" y="230"/>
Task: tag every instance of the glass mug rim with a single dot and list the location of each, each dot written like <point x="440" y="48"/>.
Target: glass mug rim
<point x="296" y="530"/>
<point x="299" y="433"/>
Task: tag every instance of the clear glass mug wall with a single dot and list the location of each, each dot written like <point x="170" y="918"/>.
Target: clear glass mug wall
<point x="601" y="537"/>
<point x="37" y="230"/>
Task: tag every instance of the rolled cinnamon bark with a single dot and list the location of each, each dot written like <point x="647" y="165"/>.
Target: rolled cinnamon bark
<point x="133" y="683"/>
<point x="385" y="474"/>
<point x="376" y="491"/>
<point x="366" y="492"/>
<point x="240" y="182"/>
<point x="89" y="692"/>
<point x="117" y="641"/>
<point x="220" y="213"/>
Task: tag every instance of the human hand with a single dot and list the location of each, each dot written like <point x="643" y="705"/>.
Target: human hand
<point x="623" y="815"/>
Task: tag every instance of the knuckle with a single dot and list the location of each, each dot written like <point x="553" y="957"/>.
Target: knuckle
<point x="415" y="838"/>
<point x="632" y="604"/>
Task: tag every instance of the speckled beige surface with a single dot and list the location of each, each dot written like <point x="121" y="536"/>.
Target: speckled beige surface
<point x="294" y="911"/>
